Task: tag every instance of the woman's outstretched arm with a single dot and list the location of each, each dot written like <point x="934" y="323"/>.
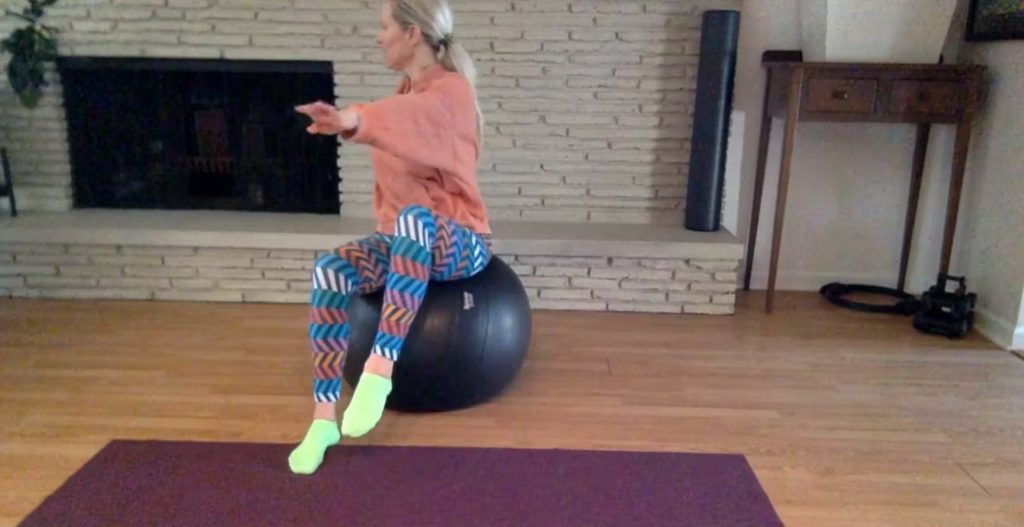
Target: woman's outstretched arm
<point x="418" y="127"/>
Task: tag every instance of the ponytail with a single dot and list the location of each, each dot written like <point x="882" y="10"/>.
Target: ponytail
<point x="455" y="58"/>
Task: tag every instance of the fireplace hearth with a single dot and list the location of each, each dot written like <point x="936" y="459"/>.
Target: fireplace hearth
<point x="198" y="134"/>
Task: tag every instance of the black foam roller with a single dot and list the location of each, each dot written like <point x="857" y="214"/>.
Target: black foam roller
<point x="716" y="76"/>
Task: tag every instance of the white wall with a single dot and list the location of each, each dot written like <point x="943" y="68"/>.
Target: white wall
<point x="901" y="30"/>
<point x="1017" y="341"/>
<point x="995" y="203"/>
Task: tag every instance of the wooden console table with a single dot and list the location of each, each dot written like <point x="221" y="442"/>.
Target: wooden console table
<point x="921" y="94"/>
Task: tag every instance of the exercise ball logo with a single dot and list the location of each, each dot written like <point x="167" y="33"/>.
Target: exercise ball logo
<point x="467" y="300"/>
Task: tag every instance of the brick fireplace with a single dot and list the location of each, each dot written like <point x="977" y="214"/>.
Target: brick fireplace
<point x="198" y="134"/>
<point x="588" y="103"/>
<point x="588" y="107"/>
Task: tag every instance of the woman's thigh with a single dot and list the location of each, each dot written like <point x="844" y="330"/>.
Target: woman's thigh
<point x="458" y="252"/>
<point x="364" y="263"/>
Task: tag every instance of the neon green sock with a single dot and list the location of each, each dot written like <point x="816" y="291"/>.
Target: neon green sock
<point x="306" y="457"/>
<point x="367" y="405"/>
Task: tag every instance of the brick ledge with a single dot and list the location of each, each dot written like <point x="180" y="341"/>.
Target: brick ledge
<point x="320" y="232"/>
<point x="250" y="257"/>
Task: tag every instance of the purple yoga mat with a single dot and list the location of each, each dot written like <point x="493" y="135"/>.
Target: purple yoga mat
<point x="171" y="484"/>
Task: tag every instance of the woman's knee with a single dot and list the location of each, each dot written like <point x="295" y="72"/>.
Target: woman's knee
<point x="416" y="222"/>
<point x="416" y="213"/>
<point x="325" y="260"/>
<point x="327" y="273"/>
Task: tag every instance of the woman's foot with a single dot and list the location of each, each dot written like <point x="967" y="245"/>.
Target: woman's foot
<point x="308" y="456"/>
<point x="367" y="405"/>
<point x="322" y="434"/>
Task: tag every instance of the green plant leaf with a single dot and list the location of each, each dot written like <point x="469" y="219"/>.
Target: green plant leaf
<point x="31" y="48"/>
<point x="30" y="98"/>
<point x="28" y="15"/>
<point x="15" y="42"/>
<point x="48" y="49"/>
<point x="18" y="73"/>
<point x="34" y="9"/>
<point x="18" y="16"/>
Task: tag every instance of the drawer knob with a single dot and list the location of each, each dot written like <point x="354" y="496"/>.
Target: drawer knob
<point x="841" y="95"/>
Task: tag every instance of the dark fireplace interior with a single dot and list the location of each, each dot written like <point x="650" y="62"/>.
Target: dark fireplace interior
<point x="198" y="134"/>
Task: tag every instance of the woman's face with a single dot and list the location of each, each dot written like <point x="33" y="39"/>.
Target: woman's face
<point x="397" y="44"/>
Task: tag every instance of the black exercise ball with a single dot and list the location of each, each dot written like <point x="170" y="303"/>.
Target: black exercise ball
<point x="466" y="345"/>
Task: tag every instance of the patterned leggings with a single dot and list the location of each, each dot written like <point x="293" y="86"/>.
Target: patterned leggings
<point x="425" y="246"/>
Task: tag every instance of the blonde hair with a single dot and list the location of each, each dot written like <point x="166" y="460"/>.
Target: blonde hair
<point x="435" y="20"/>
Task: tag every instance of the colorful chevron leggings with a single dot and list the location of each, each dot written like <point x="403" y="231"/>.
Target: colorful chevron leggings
<point x="425" y="246"/>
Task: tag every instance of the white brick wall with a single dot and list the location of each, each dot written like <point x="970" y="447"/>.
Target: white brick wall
<point x="588" y="103"/>
<point x="270" y="276"/>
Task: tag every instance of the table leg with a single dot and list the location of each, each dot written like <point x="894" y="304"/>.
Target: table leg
<point x="916" y="175"/>
<point x="963" y="141"/>
<point x="762" y="161"/>
<point x="796" y="87"/>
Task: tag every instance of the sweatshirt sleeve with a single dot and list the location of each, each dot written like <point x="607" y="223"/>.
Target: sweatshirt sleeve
<point x="418" y="127"/>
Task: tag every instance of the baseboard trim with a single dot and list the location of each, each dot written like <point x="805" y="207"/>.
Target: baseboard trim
<point x="999" y="330"/>
<point x="814" y="281"/>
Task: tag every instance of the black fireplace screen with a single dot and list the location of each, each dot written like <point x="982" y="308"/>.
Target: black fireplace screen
<point x="198" y="134"/>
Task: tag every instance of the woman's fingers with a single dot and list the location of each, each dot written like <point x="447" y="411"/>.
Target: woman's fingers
<point x="324" y="116"/>
<point x="308" y="106"/>
<point x="316" y="108"/>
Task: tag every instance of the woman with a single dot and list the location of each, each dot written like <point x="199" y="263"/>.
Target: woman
<point x="432" y="223"/>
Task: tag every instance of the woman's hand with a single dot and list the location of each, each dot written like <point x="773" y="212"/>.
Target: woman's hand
<point x="328" y="120"/>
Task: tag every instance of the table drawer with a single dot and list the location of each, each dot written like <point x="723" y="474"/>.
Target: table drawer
<point x="922" y="97"/>
<point x="841" y="95"/>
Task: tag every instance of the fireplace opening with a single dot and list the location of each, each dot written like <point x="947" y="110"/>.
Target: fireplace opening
<point x="198" y="134"/>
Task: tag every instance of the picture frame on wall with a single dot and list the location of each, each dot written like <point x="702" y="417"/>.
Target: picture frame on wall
<point x="989" y="20"/>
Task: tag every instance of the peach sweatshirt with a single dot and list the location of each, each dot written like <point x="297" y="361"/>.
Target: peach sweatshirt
<point x="425" y="149"/>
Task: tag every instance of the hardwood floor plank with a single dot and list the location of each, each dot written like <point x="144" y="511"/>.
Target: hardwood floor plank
<point x="848" y="419"/>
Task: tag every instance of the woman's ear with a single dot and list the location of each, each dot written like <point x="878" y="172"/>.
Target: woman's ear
<point x="414" y="34"/>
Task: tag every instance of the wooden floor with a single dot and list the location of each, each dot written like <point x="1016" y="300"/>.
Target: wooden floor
<point x="848" y="419"/>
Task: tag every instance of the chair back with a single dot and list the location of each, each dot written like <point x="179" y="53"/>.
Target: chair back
<point x="7" y="186"/>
